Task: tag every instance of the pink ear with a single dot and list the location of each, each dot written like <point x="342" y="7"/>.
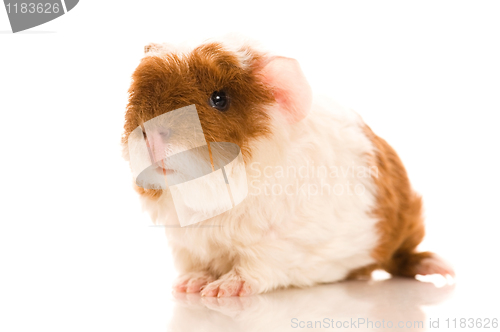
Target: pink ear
<point x="291" y="90"/>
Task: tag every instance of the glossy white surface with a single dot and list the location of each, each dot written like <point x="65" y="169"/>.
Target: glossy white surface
<point x="394" y="304"/>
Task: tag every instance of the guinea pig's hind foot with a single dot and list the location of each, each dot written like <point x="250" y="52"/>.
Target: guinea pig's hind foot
<point x="434" y="265"/>
<point x="409" y="264"/>
<point x="192" y="282"/>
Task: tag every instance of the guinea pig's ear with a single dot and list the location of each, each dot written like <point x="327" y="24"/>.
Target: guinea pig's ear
<point x="151" y="47"/>
<point x="291" y="89"/>
<point x="155" y="47"/>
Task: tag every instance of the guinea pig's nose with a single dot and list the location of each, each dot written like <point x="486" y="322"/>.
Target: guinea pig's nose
<point x="156" y="143"/>
<point x="165" y="133"/>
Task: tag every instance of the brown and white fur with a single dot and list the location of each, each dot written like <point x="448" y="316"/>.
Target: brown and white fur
<point x="290" y="237"/>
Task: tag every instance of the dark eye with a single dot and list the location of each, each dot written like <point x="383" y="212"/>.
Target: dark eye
<point x="219" y="100"/>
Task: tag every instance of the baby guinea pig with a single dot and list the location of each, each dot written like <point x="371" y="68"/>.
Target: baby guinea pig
<point x="327" y="199"/>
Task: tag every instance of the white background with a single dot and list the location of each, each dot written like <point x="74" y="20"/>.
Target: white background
<point x="77" y="253"/>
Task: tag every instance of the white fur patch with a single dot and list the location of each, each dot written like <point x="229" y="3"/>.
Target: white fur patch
<point x="296" y="237"/>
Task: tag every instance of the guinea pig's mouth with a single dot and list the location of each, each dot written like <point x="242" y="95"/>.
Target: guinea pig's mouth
<point x="164" y="171"/>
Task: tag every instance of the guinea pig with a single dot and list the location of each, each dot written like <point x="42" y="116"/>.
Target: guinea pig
<point x="328" y="200"/>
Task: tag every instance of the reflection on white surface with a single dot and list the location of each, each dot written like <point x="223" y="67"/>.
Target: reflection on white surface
<point x="396" y="300"/>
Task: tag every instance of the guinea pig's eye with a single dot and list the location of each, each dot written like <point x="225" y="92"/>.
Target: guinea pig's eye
<point x="219" y="100"/>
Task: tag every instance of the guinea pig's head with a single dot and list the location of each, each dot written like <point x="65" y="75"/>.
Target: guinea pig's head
<point x="238" y="92"/>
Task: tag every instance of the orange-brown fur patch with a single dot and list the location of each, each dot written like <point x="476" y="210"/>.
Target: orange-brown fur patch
<point x="164" y="83"/>
<point x="153" y="194"/>
<point x="399" y="209"/>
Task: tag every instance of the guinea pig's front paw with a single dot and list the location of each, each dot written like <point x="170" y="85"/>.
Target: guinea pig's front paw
<point x="230" y="284"/>
<point x="192" y="282"/>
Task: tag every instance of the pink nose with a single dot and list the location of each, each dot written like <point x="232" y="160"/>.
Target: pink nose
<point x="156" y="141"/>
